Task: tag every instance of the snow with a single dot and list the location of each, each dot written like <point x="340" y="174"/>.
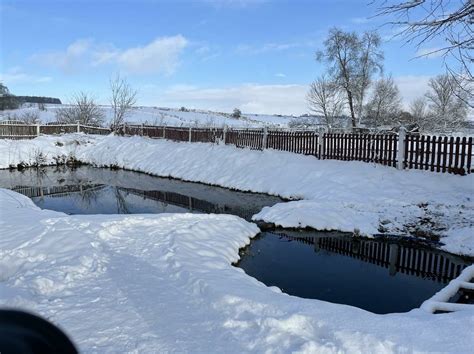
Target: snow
<point x="166" y="116"/>
<point x="331" y="195"/>
<point x="440" y="301"/>
<point x="164" y="283"/>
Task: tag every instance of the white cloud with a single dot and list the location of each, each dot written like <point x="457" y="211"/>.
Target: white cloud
<point x="16" y="75"/>
<point x="69" y="60"/>
<point x="159" y="56"/>
<point x="247" y="49"/>
<point x="411" y="87"/>
<point x="250" y="98"/>
<point x="280" y="75"/>
<point x="430" y="52"/>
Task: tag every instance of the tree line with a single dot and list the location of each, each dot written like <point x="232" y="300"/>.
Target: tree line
<point x="10" y="101"/>
<point x="354" y="81"/>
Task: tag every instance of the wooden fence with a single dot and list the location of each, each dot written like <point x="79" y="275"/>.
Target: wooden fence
<point x="440" y="154"/>
<point x="361" y="147"/>
<point x="423" y="152"/>
<point x="11" y="130"/>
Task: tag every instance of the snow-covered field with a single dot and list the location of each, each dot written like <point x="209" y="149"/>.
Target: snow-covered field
<point x="166" y="116"/>
<point x="164" y="283"/>
<point x="333" y="195"/>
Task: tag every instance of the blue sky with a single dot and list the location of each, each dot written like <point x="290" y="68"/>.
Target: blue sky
<point x="251" y="54"/>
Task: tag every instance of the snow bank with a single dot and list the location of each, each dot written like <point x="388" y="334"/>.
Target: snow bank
<point x="164" y="283"/>
<point x="348" y="196"/>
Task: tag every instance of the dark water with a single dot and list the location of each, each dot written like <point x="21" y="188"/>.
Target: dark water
<point x="375" y="275"/>
<point x="89" y="190"/>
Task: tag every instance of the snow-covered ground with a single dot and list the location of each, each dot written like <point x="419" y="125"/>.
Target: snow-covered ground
<point x="333" y="195"/>
<point x="164" y="283"/>
<point x="165" y="116"/>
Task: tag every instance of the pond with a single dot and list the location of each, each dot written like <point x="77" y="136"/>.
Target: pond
<point x="376" y="275"/>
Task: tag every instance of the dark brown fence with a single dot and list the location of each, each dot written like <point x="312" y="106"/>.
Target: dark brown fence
<point x="58" y="129"/>
<point x="440" y="154"/>
<point x="251" y="138"/>
<point x="300" y="142"/>
<point x="12" y="130"/>
<point x="18" y="131"/>
<point x="361" y="147"/>
<point x="423" y="152"/>
<point x="203" y="135"/>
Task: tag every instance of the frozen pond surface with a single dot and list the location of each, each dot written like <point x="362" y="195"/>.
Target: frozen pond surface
<point x="375" y="275"/>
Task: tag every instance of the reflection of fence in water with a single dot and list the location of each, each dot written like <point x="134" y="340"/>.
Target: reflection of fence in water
<point x="177" y="199"/>
<point x="55" y="191"/>
<point x="161" y="196"/>
<point x="420" y="262"/>
<point x="191" y="203"/>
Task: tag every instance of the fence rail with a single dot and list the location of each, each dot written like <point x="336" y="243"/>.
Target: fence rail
<point x="422" y="152"/>
<point x="30" y="131"/>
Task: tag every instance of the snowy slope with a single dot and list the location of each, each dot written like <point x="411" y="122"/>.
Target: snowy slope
<point x="166" y="116"/>
<point x="164" y="283"/>
<point x="340" y="195"/>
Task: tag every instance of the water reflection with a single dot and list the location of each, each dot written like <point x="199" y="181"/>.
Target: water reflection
<point x="377" y="275"/>
<point x="88" y="190"/>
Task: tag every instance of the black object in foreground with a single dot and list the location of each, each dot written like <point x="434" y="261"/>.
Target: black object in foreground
<point x="22" y="332"/>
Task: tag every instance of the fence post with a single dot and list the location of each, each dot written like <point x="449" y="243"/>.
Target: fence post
<point x="164" y="132"/>
<point x="264" y="140"/>
<point x="402" y="134"/>
<point x="37" y="129"/>
<point x="321" y="133"/>
<point x="78" y="127"/>
<point x="224" y="133"/>
<point x="141" y="129"/>
<point x="190" y="134"/>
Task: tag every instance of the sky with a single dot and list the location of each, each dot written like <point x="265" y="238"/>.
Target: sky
<point x="256" y="55"/>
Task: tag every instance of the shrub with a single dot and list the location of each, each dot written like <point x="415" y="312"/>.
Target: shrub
<point x="236" y="113"/>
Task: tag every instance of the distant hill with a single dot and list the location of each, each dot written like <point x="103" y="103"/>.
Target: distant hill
<point x="37" y="99"/>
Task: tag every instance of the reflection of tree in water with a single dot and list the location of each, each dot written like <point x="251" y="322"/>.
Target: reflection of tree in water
<point x="89" y="195"/>
<point x="121" y="203"/>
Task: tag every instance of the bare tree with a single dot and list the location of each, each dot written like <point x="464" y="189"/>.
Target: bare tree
<point x="384" y="105"/>
<point x="30" y="116"/>
<point x="422" y="21"/>
<point x="370" y="62"/>
<point x="420" y="114"/>
<point x="352" y="62"/>
<point x="447" y="102"/>
<point x="83" y="109"/>
<point x="122" y="99"/>
<point x="325" y="99"/>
